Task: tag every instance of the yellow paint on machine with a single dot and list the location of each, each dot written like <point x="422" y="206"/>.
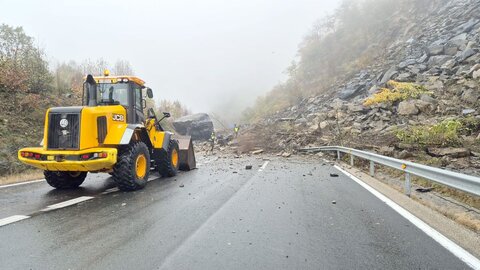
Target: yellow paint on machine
<point x="88" y="126"/>
<point x="156" y="137"/>
<point x="70" y="165"/>
<point x="88" y="122"/>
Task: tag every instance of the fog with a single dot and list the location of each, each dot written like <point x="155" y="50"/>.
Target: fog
<point x="212" y="55"/>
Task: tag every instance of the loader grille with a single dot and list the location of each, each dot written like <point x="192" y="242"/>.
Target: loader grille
<point x="101" y="128"/>
<point x="63" y="131"/>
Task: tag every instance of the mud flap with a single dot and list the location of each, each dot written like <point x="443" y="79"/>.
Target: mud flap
<point x="186" y="153"/>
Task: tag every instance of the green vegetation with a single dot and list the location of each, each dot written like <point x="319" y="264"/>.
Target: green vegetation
<point x="446" y="133"/>
<point x="397" y="91"/>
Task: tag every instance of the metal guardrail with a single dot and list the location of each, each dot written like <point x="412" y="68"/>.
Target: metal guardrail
<point x="467" y="183"/>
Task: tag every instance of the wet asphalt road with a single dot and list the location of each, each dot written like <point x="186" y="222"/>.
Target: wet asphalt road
<point x="224" y="217"/>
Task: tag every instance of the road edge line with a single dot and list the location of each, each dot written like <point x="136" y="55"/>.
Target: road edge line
<point x="21" y="183"/>
<point x="448" y="244"/>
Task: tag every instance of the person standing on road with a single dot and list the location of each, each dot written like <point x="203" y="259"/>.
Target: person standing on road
<point x="235" y="130"/>
<point x="212" y="140"/>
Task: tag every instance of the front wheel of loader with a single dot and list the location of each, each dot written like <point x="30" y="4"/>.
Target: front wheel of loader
<point x="169" y="163"/>
<point x="64" y="180"/>
<point x="132" y="168"/>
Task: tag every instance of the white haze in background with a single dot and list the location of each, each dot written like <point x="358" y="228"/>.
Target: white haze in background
<point x="212" y="55"/>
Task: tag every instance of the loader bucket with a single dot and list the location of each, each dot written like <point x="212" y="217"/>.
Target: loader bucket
<point x="186" y="154"/>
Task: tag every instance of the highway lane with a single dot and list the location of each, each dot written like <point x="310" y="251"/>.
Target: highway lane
<point x="224" y="217"/>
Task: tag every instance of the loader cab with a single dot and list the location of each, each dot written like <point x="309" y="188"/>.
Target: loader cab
<point x="126" y="91"/>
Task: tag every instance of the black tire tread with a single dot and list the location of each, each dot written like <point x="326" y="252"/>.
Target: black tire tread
<point x="64" y="180"/>
<point x="124" y="172"/>
<point x="165" y="166"/>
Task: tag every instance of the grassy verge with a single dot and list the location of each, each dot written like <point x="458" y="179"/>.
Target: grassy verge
<point x="21" y="177"/>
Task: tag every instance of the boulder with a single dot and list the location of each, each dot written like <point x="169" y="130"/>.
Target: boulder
<point x="467" y="27"/>
<point x="404" y="77"/>
<point x="425" y="106"/>
<point x="324" y="124"/>
<point x="474" y="71"/>
<point x="476" y="74"/>
<point x="407" y="63"/>
<point x="466" y="54"/>
<point x="468" y="111"/>
<point x="438" y="60"/>
<point x="449" y="151"/>
<point x="470" y="95"/>
<point x="451" y="49"/>
<point x="449" y="64"/>
<point x="357" y="108"/>
<point x="422" y="58"/>
<point x="388" y="75"/>
<point x="386" y="150"/>
<point x="428" y="98"/>
<point x="407" y="107"/>
<point x="404" y="154"/>
<point x="351" y="91"/>
<point x="435" y="49"/>
<point x="199" y="126"/>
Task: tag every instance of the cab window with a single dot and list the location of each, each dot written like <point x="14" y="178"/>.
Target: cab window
<point x="138" y="97"/>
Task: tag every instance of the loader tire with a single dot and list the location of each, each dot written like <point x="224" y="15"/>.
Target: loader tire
<point x="169" y="163"/>
<point x="132" y="168"/>
<point x="64" y="180"/>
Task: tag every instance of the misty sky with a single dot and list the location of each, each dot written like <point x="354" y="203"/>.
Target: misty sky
<point x="212" y="55"/>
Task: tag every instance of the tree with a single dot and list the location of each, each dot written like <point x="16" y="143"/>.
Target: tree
<point x="96" y="67"/>
<point x="22" y="65"/>
<point x="122" y="67"/>
<point x="68" y="78"/>
<point x="175" y="108"/>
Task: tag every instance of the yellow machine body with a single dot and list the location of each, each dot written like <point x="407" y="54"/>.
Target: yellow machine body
<point x="109" y="133"/>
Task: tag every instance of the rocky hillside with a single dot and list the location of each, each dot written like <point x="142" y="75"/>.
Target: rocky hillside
<point x="418" y="99"/>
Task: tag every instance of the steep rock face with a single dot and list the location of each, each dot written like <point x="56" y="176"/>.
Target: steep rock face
<point x="199" y="126"/>
<point x="439" y="51"/>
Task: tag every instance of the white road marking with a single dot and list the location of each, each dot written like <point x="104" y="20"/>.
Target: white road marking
<point x="22" y="183"/>
<point x="263" y="166"/>
<point x="455" y="249"/>
<point x="151" y="178"/>
<point x="12" y="219"/>
<point x="110" y="190"/>
<point x="67" y="203"/>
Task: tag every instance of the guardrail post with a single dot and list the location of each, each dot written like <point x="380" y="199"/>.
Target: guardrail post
<point x="351" y="160"/>
<point x="372" y="168"/>
<point x="338" y="155"/>
<point x="407" y="184"/>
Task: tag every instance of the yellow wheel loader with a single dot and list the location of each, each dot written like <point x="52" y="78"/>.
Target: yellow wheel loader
<point x="108" y="133"/>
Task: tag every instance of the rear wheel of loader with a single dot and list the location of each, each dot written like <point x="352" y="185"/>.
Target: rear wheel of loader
<point x="64" y="180"/>
<point x="133" y="167"/>
<point x="168" y="165"/>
